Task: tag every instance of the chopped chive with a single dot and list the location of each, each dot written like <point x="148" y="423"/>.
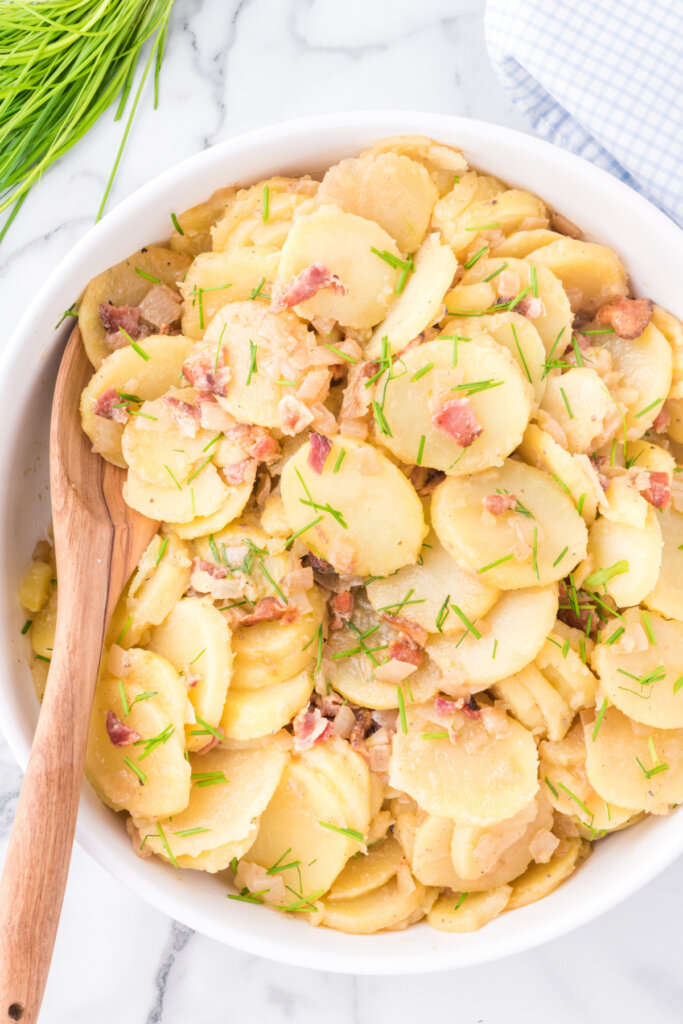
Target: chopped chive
<point x="559" y="558"/>
<point x="492" y="565"/>
<point x="340" y="459"/>
<point x="256" y="292"/>
<point x="421" y="372"/>
<point x="134" y="345"/>
<point x="246" y="897"/>
<point x="124" y="630"/>
<point x="148" y="277"/>
<point x="176" y="224"/>
<point x="551" y="787"/>
<point x="164" y="840"/>
<point x="648" y="627"/>
<point x="134" y="768"/>
<point x="602" y="576"/>
<point x="567" y="405"/>
<point x="151" y="744"/>
<point x="461" y="900"/>
<point x="599" y="330"/>
<point x="213" y="442"/>
<point x="576" y="800"/>
<point x="272" y="582"/>
<point x="495" y="273"/>
<point x="218" y="350"/>
<point x="144" y="696"/>
<point x="534" y="561"/>
<point x="191" y="831"/>
<point x="521" y="354"/>
<point x="203" y="779"/>
<point x="124" y="700"/>
<point x="580" y="504"/>
<point x="517" y="299"/>
<point x="338" y="352"/>
<point x="434" y="735"/>
<point x="469" y="626"/>
<point x="495" y="648"/>
<point x="173" y="478"/>
<point x="27" y="625"/>
<point x="442" y="614"/>
<point x="308" y="526"/>
<point x="206" y="728"/>
<point x="534" y="281"/>
<point x="252" y="361"/>
<point x="577" y="352"/>
<point x="420" y="451"/>
<point x="560" y="483"/>
<point x="381" y="419"/>
<point x="199" y="469"/>
<point x="484" y="227"/>
<point x="547" y="366"/>
<point x="266" y="203"/>
<point x="476" y="386"/>
<point x="648" y="773"/>
<point x="402" y="709"/>
<point x="477" y="256"/>
<point x="198" y="656"/>
<point x="350" y="833"/>
<point x="648" y="407"/>
<point x="162" y="550"/>
<point x="619" y="631"/>
<point x="678" y="684"/>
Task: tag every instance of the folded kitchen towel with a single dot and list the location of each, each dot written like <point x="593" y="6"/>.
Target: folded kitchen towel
<point x="602" y="78"/>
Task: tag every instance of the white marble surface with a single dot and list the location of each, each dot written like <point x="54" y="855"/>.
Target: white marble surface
<point x="229" y="67"/>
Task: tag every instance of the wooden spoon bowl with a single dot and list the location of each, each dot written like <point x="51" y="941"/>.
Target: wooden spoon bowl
<point x="98" y="542"/>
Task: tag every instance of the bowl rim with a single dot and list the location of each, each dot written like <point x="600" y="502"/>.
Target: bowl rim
<point x="438" y="954"/>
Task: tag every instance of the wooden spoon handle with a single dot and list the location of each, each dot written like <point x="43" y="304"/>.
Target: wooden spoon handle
<point x="37" y="864"/>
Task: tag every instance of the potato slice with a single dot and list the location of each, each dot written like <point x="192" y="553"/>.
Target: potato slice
<point x="385" y="908"/>
<point x="610" y="544"/>
<point x="291" y="825"/>
<point x="367" y="872"/>
<point x="251" y="339"/>
<point x="389" y="189"/>
<point x="579" y="402"/>
<point x="453" y="913"/>
<point x="510" y="635"/>
<point x="249" y="714"/>
<point x="348" y="773"/>
<point x="156" y="701"/>
<point x="613" y="768"/>
<point x="548" y="534"/>
<point x="486" y="219"/>
<point x="271" y="652"/>
<point x="201" y="526"/>
<point x="243" y="547"/>
<point x="248" y="225"/>
<point x="217" y="278"/>
<point x="521" y="243"/>
<point x="437" y="581"/>
<point x="591" y="274"/>
<point x="565" y="668"/>
<point x="343" y="242"/>
<point x="539" y="449"/>
<point x="672" y="329"/>
<point x="155" y="447"/>
<point x="35" y="585"/>
<point x="510" y="278"/>
<point x="42" y="633"/>
<point x="412" y="399"/>
<point x="122" y="285"/>
<point x="519" y="336"/>
<point x="130" y="374"/>
<point x="371" y="525"/>
<point x="453" y="780"/>
<point x="420" y="304"/>
<point x="195" y="638"/>
<point x="646" y="366"/>
<point x="540" y="880"/>
<point x="196" y="222"/>
<point x="643" y="683"/>
<point x="159" y="582"/>
<point x="230" y="790"/>
<point x="563" y="770"/>
<point x="666" y="596"/>
<point x="444" y="163"/>
<point x="534" y="701"/>
<point x="487" y="857"/>
<point x="202" y="496"/>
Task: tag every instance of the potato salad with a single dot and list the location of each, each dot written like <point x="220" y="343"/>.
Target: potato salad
<point x="409" y="638"/>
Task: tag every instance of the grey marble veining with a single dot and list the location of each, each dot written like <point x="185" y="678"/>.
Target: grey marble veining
<point x="231" y="66"/>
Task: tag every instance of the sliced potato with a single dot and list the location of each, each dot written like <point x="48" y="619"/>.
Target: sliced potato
<point x="420" y="303"/>
<point x="534" y="701"/>
<point x="201" y="526"/>
<point x="591" y="274"/>
<point x="539" y="449"/>
<point x="202" y="496"/>
<point x="453" y="780"/>
<point x="486" y="218"/>
<point x="367" y="872"/>
<point x="291" y="826"/>
<point x="639" y="551"/>
<point x="42" y="633"/>
<point x="155" y="447"/>
<point x="371" y="525"/>
<point x="519" y="336"/>
<point x="643" y="683"/>
<point x="666" y="595"/>
<point x="156" y="701"/>
<point x="646" y="367"/>
<point x="35" y="585"/>
<point x="196" y="222"/>
<point x="249" y="714"/>
<point x="430" y="380"/>
<point x="248" y="226"/>
<point x="444" y="163"/>
<point x="131" y="374"/>
<point x="195" y="638"/>
<point x="452" y="913"/>
<point x="217" y="278"/>
<point x="540" y="880"/>
<point x="348" y="773"/>
<point x="436" y="581"/>
<point x="122" y="285"/>
<point x="613" y="768"/>
<point x="230" y="790"/>
<point x="488" y="857"/>
<point x="518" y="549"/>
<point x="564" y="666"/>
<point x="520" y="243"/>
<point x="159" y="582"/>
<point x="343" y="242"/>
<point x="390" y="189"/>
<point x="509" y="636"/>
<point x="579" y="402"/>
<point x="386" y="907"/>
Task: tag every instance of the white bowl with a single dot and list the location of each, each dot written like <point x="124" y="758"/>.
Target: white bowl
<point x="608" y="211"/>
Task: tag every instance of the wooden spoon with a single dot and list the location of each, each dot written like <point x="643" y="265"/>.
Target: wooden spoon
<point x="98" y="542"/>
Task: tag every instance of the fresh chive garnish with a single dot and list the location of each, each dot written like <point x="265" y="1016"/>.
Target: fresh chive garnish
<point x="124" y="630"/>
<point x="602" y="576"/>
<point x="164" y="840"/>
<point x="492" y="565"/>
<point x="151" y="744"/>
<point x="678" y="684"/>
<point x="124" y="699"/>
<point x="547" y="366"/>
<point x="442" y="613"/>
<point x="484" y="227"/>
<point x="199" y="468"/>
<point x="420" y="450"/>
<point x="137" y="771"/>
<point x="147" y="277"/>
<point x="434" y="735"/>
<point x="648" y="407"/>
<point x="521" y="354"/>
<point x="257" y="293"/>
<point x="162" y="550"/>
<point x="27" y="625"/>
<point x="340" y="459"/>
<point x="266" y="203"/>
<point x="495" y="273"/>
<point x="461" y="899"/>
<point x="576" y="800"/>
<point x="477" y="256"/>
<point x="350" y="833"/>
<point x="252" y="361"/>
<point x="469" y="626"/>
<point x="580" y="504"/>
<point x="551" y="787"/>
<point x="172" y="476"/>
<point x="191" y="831"/>
<point x="338" y="352"/>
<point x="495" y="648"/>
<point x="207" y="729"/>
<point x="533" y="277"/>
<point x="309" y="526"/>
<point x="534" y="560"/>
<point x="648" y="627"/>
<point x="176" y="224"/>
<point x="135" y="346"/>
<point x="559" y="558"/>
<point x="474" y="387"/>
<point x="567" y="405"/>
<point x="203" y="779"/>
<point x="421" y="372"/>
<point x="619" y="631"/>
<point x="336" y="515"/>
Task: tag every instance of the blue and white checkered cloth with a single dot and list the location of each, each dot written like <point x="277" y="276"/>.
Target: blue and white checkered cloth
<point x="602" y="78"/>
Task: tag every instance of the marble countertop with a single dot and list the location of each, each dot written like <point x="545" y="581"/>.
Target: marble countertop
<point x="231" y="66"/>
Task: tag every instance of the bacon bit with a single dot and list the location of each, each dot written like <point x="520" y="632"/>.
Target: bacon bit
<point x="342" y="608"/>
<point x="120" y="318"/>
<point x="310" y="728"/>
<point x="161" y="308"/>
<point x="471" y="709"/>
<point x="409" y="630"/>
<point x="199" y="369"/>
<point x="361" y="728"/>
<point x="188" y="417"/>
<point x="217" y="572"/>
<point x="256" y="441"/>
<point x="319" y="450"/>
<point x="319" y="564"/>
<point x="240" y="472"/>
<point x="456" y="419"/>
<point x="628" y="317"/>
<point x="499" y="503"/>
<point x="307" y="283"/>
<point x="294" y="415"/>
<point x="658" y="490"/>
<point x="109" y="406"/>
<point x="268" y="609"/>
<point x="529" y="306"/>
<point x="404" y="659"/>
<point x="207" y="578"/>
<point x="662" y="421"/>
<point x="330" y="704"/>
<point x="442" y="706"/>
<point x="121" y="735"/>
